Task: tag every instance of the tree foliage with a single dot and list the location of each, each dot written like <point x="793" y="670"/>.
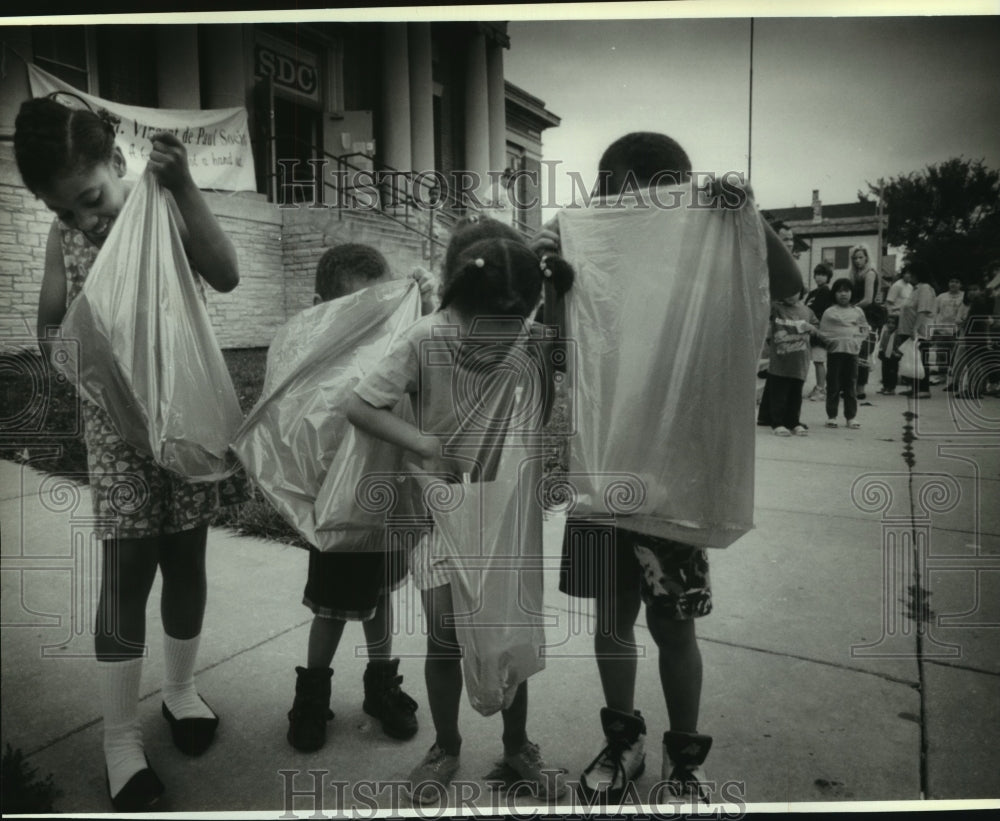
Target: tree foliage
<point x="947" y="216"/>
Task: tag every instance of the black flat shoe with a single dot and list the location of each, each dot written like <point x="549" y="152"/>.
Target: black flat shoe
<point x="140" y="792"/>
<point x="192" y="736"/>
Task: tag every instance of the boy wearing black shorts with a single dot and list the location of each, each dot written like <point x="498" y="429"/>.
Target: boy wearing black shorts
<point x="355" y="585"/>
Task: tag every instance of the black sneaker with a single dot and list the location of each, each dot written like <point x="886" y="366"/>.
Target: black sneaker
<point x="310" y="710"/>
<point x="386" y="701"/>
<point x="683" y="755"/>
<point x="622" y="760"/>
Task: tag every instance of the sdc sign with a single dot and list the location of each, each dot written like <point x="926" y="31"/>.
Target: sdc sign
<point x="296" y="75"/>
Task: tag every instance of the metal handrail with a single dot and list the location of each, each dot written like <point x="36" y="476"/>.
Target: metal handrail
<point x="394" y="191"/>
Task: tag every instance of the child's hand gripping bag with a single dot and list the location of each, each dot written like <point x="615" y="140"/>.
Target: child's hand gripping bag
<point x="669" y="313"/>
<point x="297" y="430"/>
<point x="147" y="353"/>
<point x="491" y="533"/>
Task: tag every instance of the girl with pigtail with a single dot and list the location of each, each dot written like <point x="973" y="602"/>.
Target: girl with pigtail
<point x="491" y="284"/>
<point x="67" y="157"/>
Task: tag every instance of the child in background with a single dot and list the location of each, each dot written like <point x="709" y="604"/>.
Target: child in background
<point x="969" y="371"/>
<point x="843" y="328"/>
<point x="487" y="282"/>
<point x="914" y="322"/>
<point x="792" y="326"/>
<point x="818" y="300"/>
<point x="348" y="585"/>
<point x="620" y="575"/>
<point x="68" y="158"/>
<point x="890" y="365"/>
<point x="898" y="293"/>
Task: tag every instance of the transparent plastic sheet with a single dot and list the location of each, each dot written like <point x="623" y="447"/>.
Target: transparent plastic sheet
<point x="491" y="533"/>
<point x="669" y="313"/>
<point x="147" y="353"/>
<point x="298" y="430"/>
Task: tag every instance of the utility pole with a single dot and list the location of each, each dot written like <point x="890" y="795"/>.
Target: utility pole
<point x="750" y="109"/>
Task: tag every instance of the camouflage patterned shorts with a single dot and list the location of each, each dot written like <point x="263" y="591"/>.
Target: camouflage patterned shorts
<point x="145" y="500"/>
<point x="672" y="578"/>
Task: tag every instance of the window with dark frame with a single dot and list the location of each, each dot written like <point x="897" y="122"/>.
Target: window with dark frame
<point x="62" y="52"/>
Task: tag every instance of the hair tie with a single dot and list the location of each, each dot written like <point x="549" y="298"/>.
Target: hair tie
<point x="109" y="119"/>
<point x="543" y="263"/>
<point x="480" y="262"/>
<point x="473" y="218"/>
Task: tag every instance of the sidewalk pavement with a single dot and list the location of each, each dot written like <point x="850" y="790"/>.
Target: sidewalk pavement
<point x="817" y="687"/>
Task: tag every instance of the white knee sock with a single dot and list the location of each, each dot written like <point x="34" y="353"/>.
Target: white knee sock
<point x="179" y="693"/>
<point x="122" y="737"/>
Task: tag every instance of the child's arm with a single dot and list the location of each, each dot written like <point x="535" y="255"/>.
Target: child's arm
<point x="383" y="424"/>
<point x="784" y="277"/>
<point x="52" y="298"/>
<point x="210" y="250"/>
<point x="862" y="323"/>
<point x="871" y="283"/>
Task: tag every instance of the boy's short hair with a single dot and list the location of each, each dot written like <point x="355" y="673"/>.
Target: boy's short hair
<point x="842" y="284"/>
<point x="343" y="268"/>
<point x="824" y="269"/>
<point x="646" y="156"/>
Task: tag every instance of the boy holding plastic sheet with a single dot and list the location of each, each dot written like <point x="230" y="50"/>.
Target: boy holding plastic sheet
<point x="344" y="586"/>
<point x="620" y="567"/>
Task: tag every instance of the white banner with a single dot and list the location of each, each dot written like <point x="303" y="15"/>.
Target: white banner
<point x="217" y="140"/>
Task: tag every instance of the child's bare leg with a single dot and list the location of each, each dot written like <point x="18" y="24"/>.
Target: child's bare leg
<point x="129" y="567"/>
<point x="680" y="668"/>
<point x="443" y="669"/>
<point x="182" y="606"/>
<point x="324" y="639"/>
<point x="185" y="588"/>
<point x="378" y="629"/>
<point x="821" y="375"/>
<point x="614" y="643"/>
<point x="515" y="721"/>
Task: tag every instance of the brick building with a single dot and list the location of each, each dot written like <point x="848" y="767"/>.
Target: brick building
<point x="359" y="98"/>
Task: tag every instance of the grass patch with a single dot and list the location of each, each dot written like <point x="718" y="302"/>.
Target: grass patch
<point x="40" y="422"/>
<point x="23" y="792"/>
<point x="40" y="416"/>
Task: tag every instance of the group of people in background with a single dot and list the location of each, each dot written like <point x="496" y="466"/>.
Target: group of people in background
<point x="842" y="325"/>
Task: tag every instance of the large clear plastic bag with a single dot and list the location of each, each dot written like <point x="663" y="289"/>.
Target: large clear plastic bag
<point x="147" y="353"/>
<point x="910" y="364"/>
<point x="298" y="430"/>
<point x="668" y="312"/>
<point x="491" y="533"/>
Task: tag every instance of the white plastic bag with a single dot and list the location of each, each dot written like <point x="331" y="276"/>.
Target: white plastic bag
<point x="491" y="534"/>
<point x="299" y="429"/>
<point x="668" y="312"/>
<point x="147" y="353"/>
<point x="910" y="364"/>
